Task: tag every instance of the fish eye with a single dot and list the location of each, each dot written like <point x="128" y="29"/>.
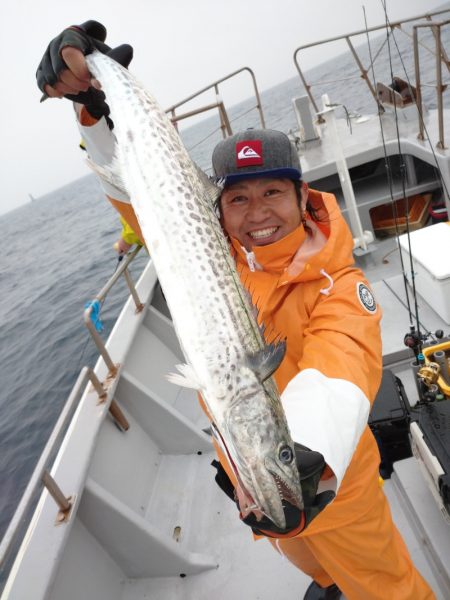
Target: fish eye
<point x="286" y="455"/>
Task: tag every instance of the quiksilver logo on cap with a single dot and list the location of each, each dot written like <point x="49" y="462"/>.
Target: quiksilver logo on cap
<point x="249" y="153"/>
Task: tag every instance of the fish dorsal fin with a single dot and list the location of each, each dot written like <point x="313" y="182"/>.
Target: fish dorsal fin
<point x="266" y="361"/>
<point x="185" y="378"/>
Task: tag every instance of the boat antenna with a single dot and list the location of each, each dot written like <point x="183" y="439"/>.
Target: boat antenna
<point x="414" y="338"/>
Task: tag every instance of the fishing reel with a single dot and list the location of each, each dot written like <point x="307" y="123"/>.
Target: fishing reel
<point x="429" y="374"/>
<point x="414" y="339"/>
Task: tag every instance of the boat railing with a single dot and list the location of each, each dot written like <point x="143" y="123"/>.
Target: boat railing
<point x="225" y="124"/>
<point x="89" y="321"/>
<point x="441" y="56"/>
<point x="364" y="72"/>
<point x="41" y="476"/>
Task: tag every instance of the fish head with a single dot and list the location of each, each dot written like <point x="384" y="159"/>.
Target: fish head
<point x="258" y="444"/>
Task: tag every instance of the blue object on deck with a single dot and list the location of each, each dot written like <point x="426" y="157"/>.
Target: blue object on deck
<point x="95" y="314"/>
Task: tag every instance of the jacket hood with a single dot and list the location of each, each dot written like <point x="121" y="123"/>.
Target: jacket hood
<point x="320" y="245"/>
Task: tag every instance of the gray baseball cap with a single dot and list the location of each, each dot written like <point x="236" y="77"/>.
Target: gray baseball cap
<point x="256" y="153"/>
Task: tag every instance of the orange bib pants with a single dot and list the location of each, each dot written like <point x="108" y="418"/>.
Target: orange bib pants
<point x="341" y="556"/>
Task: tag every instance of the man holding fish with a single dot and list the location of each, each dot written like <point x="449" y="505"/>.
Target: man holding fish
<point x="312" y="489"/>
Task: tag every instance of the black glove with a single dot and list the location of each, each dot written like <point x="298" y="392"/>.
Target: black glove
<point x="310" y="465"/>
<point x="87" y="37"/>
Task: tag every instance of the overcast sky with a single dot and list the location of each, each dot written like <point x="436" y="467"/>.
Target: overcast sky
<point x="180" y="47"/>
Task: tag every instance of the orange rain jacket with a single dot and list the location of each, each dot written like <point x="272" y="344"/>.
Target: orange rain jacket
<point x="312" y="294"/>
<point x="331" y="372"/>
<point x="308" y="290"/>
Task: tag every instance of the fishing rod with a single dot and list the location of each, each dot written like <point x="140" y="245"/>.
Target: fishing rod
<point x="428" y="374"/>
<point x="426" y="429"/>
<point x="419" y="112"/>
<point x="427" y="377"/>
<point x="413" y="338"/>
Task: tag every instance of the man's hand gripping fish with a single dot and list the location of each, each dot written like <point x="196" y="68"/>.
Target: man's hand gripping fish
<point x="228" y="361"/>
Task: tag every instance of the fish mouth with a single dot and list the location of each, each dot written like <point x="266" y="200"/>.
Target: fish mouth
<point x="273" y="500"/>
<point x="286" y="493"/>
<point x="266" y="488"/>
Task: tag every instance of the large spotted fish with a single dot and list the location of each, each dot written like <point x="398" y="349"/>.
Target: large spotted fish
<point x="227" y="358"/>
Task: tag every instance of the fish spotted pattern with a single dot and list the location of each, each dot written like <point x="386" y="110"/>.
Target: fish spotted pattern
<point x="227" y="358"/>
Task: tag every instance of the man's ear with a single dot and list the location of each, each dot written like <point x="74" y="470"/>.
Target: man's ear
<point x="304" y="199"/>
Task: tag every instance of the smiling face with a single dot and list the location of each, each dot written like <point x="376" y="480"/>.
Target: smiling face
<point x="261" y="211"/>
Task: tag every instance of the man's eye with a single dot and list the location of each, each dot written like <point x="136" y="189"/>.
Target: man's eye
<point x="272" y="192"/>
<point x="237" y="199"/>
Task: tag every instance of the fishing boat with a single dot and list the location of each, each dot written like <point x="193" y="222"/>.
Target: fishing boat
<point x="123" y="505"/>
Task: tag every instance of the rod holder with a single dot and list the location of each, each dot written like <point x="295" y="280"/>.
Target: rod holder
<point x="441" y="359"/>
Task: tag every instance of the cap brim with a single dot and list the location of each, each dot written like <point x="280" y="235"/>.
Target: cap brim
<point x="286" y="173"/>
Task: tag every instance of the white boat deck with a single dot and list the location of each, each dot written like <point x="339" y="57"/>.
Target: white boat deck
<point x="150" y="521"/>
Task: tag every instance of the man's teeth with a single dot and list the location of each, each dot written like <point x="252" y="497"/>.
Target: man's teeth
<point x="262" y="233"/>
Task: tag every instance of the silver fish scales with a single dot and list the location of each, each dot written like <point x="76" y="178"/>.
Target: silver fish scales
<point x="227" y="358"/>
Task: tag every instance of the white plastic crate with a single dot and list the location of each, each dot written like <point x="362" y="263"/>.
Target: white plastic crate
<point x="430" y="249"/>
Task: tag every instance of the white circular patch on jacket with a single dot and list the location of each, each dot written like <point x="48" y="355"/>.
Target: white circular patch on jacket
<point x="366" y="297"/>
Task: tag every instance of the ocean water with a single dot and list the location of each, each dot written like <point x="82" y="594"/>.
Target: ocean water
<point x="57" y="253"/>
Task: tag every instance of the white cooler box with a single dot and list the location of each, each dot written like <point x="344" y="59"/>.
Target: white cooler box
<point x="430" y="248"/>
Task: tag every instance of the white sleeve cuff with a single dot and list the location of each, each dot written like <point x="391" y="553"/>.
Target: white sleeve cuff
<point x="327" y="415"/>
<point x="100" y="144"/>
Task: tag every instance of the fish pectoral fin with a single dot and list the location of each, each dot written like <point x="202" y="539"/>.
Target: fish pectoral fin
<point x="266" y="361"/>
<point x="185" y="378"/>
<point x="109" y="174"/>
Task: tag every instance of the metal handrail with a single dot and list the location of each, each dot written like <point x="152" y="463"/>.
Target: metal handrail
<point x="41" y="476"/>
<point x="346" y="37"/>
<point x="117" y="273"/>
<point x="224" y="120"/>
<point x="121" y="270"/>
<point x="41" y="468"/>
<point x="441" y="56"/>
